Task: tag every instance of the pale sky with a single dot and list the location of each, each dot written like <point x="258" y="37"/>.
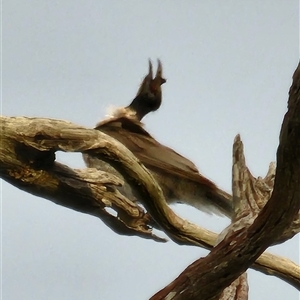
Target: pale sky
<point x="229" y="66"/>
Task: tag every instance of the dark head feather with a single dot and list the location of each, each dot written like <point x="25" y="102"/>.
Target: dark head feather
<point x="149" y="96"/>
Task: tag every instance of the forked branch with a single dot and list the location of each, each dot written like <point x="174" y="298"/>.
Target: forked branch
<point x="27" y="160"/>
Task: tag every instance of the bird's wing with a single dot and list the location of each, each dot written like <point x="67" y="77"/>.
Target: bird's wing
<point x="150" y="152"/>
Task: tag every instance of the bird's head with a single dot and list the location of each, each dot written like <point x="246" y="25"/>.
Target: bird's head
<point x="148" y="97"/>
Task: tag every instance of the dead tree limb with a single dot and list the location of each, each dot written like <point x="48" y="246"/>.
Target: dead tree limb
<point x="206" y="278"/>
<point x="27" y="160"/>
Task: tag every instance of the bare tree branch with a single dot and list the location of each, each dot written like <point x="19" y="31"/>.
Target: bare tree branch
<point x="27" y="161"/>
<point x="237" y="290"/>
<point x="33" y="162"/>
<point x="206" y="278"/>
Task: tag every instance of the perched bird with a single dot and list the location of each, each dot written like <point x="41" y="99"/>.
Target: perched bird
<point x="178" y="177"/>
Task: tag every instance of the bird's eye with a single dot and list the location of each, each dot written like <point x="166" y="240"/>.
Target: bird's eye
<point x="153" y="88"/>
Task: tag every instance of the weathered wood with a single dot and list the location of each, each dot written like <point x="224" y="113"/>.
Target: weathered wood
<point x="206" y="278"/>
<point x="89" y="191"/>
<point x="27" y="160"/>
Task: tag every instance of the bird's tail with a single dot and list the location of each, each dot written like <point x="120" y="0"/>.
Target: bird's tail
<point x="204" y="198"/>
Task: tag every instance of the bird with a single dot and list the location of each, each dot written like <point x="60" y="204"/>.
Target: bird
<point x="178" y="177"/>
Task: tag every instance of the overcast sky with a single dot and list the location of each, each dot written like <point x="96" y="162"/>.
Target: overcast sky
<point x="229" y="66"/>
